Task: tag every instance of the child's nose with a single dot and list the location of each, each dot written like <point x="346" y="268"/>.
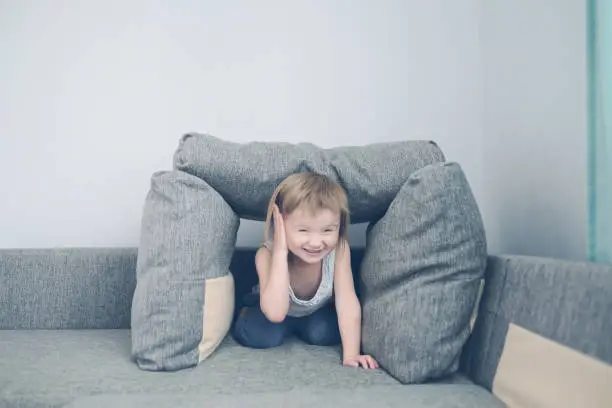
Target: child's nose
<point x="315" y="241"/>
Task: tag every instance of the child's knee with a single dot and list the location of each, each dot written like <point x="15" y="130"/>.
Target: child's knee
<point x="254" y="333"/>
<point x="321" y="332"/>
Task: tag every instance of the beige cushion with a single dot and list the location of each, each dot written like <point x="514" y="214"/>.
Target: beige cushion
<point x="535" y="372"/>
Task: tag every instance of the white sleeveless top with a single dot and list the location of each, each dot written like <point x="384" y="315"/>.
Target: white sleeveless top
<point x="303" y="307"/>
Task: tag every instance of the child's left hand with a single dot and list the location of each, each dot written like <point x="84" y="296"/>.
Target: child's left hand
<point x="366" y="361"/>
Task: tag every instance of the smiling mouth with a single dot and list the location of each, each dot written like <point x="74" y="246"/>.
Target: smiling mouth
<point x="318" y="251"/>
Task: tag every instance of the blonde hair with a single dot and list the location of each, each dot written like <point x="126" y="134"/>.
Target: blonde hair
<point x="313" y="192"/>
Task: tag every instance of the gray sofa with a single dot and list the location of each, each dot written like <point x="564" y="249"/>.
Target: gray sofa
<point x="65" y="342"/>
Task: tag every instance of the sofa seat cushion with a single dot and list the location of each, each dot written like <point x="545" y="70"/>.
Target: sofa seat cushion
<point x="408" y="396"/>
<point x="48" y="368"/>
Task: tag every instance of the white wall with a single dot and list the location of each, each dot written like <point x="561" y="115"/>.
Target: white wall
<point x="535" y="126"/>
<point x="95" y="95"/>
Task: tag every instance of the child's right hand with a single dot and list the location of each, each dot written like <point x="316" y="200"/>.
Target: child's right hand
<point x="280" y="237"/>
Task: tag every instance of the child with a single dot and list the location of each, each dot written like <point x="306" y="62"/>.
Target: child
<point x="305" y="278"/>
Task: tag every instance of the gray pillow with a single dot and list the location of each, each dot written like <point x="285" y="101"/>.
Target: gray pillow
<point x="184" y="299"/>
<point x="420" y="275"/>
<point x="246" y="174"/>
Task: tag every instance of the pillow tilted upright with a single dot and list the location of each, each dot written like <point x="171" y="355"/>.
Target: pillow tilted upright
<point x="420" y="275"/>
<point x="184" y="299"/>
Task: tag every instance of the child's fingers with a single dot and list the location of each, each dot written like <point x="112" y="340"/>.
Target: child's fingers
<point x="275" y="212"/>
<point x="371" y="362"/>
<point x="278" y="220"/>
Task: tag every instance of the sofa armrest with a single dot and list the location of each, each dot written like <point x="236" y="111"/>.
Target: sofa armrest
<point x="566" y="302"/>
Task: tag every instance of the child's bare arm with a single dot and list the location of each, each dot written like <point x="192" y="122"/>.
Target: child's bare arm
<point x="272" y="269"/>
<point x="347" y="304"/>
<point x="348" y="308"/>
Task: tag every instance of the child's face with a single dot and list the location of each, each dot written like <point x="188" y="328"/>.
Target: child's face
<point x="312" y="236"/>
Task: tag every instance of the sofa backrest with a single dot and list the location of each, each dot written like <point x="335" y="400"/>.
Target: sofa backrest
<point x="87" y="288"/>
<point x="67" y="288"/>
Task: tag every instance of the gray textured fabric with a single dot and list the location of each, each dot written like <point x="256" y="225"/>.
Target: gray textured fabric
<point x="188" y="235"/>
<point x="412" y="396"/>
<point x="49" y="368"/>
<point x="86" y="288"/>
<point x="421" y="273"/>
<point x="569" y="302"/>
<point x="66" y="288"/>
<point x="246" y="173"/>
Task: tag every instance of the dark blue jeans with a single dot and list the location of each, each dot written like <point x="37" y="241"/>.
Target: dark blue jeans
<point x="253" y="329"/>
